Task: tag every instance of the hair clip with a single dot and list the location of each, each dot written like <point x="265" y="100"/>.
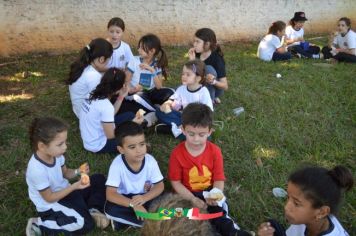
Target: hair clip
<point x="194" y="68"/>
<point x="88" y="47"/>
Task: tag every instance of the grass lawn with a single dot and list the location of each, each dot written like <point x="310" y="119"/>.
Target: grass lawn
<point x="307" y="116"/>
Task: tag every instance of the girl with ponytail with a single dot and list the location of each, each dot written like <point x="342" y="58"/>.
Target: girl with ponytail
<point x="314" y="196"/>
<point x="86" y="72"/>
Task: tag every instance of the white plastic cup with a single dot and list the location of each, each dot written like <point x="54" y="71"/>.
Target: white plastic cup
<point x="238" y="111"/>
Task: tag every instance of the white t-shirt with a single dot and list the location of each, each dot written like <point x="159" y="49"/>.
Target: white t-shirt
<point x="291" y="33"/>
<point x="40" y="176"/>
<point x="183" y="97"/>
<point x="142" y="76"/>
<point x="81" y="88"/>
<point x="346" y="42"/>
<point x="268" y="46"/>
<point x="92" y="116"/>
<point x="127" y="181"/>
<point x="335" y="229"/>
<point x="121" y="56"/>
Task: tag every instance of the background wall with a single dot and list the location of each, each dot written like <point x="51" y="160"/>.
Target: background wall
<point x="62" y="25"/>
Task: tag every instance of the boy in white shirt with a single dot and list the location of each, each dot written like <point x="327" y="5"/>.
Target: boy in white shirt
<point x="134" y="178"/>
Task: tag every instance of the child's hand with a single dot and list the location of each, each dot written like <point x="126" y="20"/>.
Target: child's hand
<point x="84" y="168"/>
<point x="138" y="200"/>
<point x="138" y="119"/>
<point x="199" y="203"/>
<point x="191" y="54"/>
<point x="265" y="229"/>
<point x="166" y="107"/>
<point x="210" y="78"/>
<point x="138" y="88"/>
<point x="144" y="66"/>
<point x="139" y="208"/>
<point x="80" y="185"/>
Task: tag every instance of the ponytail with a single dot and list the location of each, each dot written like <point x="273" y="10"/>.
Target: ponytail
<point x="97" y="48"/>
<point x="163" y="63"/>
<point x="321" y="186"/>
<point x="342" y="176"/>
<point x="276" y="26"/>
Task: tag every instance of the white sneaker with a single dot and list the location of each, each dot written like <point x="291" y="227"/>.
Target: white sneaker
<point x="100" y="219"/>
<point x="151" y="118"/>
<point x="32" y="228"/>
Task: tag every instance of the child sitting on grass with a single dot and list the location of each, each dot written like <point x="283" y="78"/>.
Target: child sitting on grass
<point x="196" y="165"/>
<point x="314" y="195"/>
<point x="134" y="178"/>
<point x="62" y="207"/>
<point x="271" y="46"/>
<point x="191" y="90"/>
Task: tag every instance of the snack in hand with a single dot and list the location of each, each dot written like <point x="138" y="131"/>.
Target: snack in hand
<point x="140" y="113"/>
<point x="216" y="196"/>
<point x="83" y="167"/>
<point x="84" y="179"/>
<point x="166" y="108"/>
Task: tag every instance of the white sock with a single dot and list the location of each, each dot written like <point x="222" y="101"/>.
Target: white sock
<point x="175" y="130"/>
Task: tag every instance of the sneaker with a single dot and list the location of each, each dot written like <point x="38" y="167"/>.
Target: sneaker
<point x="217" y="101"/>
<point x="100" y="219"/>
<point x="151" y="118"/>
<point x="163" y="129"/>
<point x="32" y="229"/>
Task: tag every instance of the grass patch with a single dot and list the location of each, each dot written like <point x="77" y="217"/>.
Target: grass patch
<point x="307" y="116"/>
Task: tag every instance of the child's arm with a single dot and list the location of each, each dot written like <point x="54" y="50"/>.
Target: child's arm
<point x="157" y="80"/>
<point x="109" y="130"/>
<point x="191" y="54"/>
<point x="156" y="190"/>
<point x="186" y="194"/>
<point x="219" y="184"/>
<point x="113" y="196"/>
<point x="72" y="173"/>
<point x="50" y="196"/>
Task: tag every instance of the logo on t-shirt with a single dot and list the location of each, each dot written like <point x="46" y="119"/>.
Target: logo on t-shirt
<point x="122" y="58"/>
<point x="199" y="182"/>
<point x="345" y="44"/>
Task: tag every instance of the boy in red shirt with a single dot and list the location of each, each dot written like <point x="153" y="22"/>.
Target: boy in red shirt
<point x="196" y="165"/>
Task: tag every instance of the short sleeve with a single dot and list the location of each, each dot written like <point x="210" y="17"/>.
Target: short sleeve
<point x="174" y="168"/>
<point x="276" y="42"/>
<point x="114" y="179"/>
<point x="131" y="65"/>
<point x="39" y="179"/>
<point x="220" y="66"/>
<point x="218" y="171"/>
<point x="61" y="160"/>
<point x="289" y="32"/>
<point x="156" y="176"/>
<point x="351" y="40"/>
<point x="107" y="113"/>
<point x="206" y="99"/>
<point x="128" y="54"/>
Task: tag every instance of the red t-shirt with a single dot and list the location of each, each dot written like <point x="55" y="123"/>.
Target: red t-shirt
<point x="196" y="173"/>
